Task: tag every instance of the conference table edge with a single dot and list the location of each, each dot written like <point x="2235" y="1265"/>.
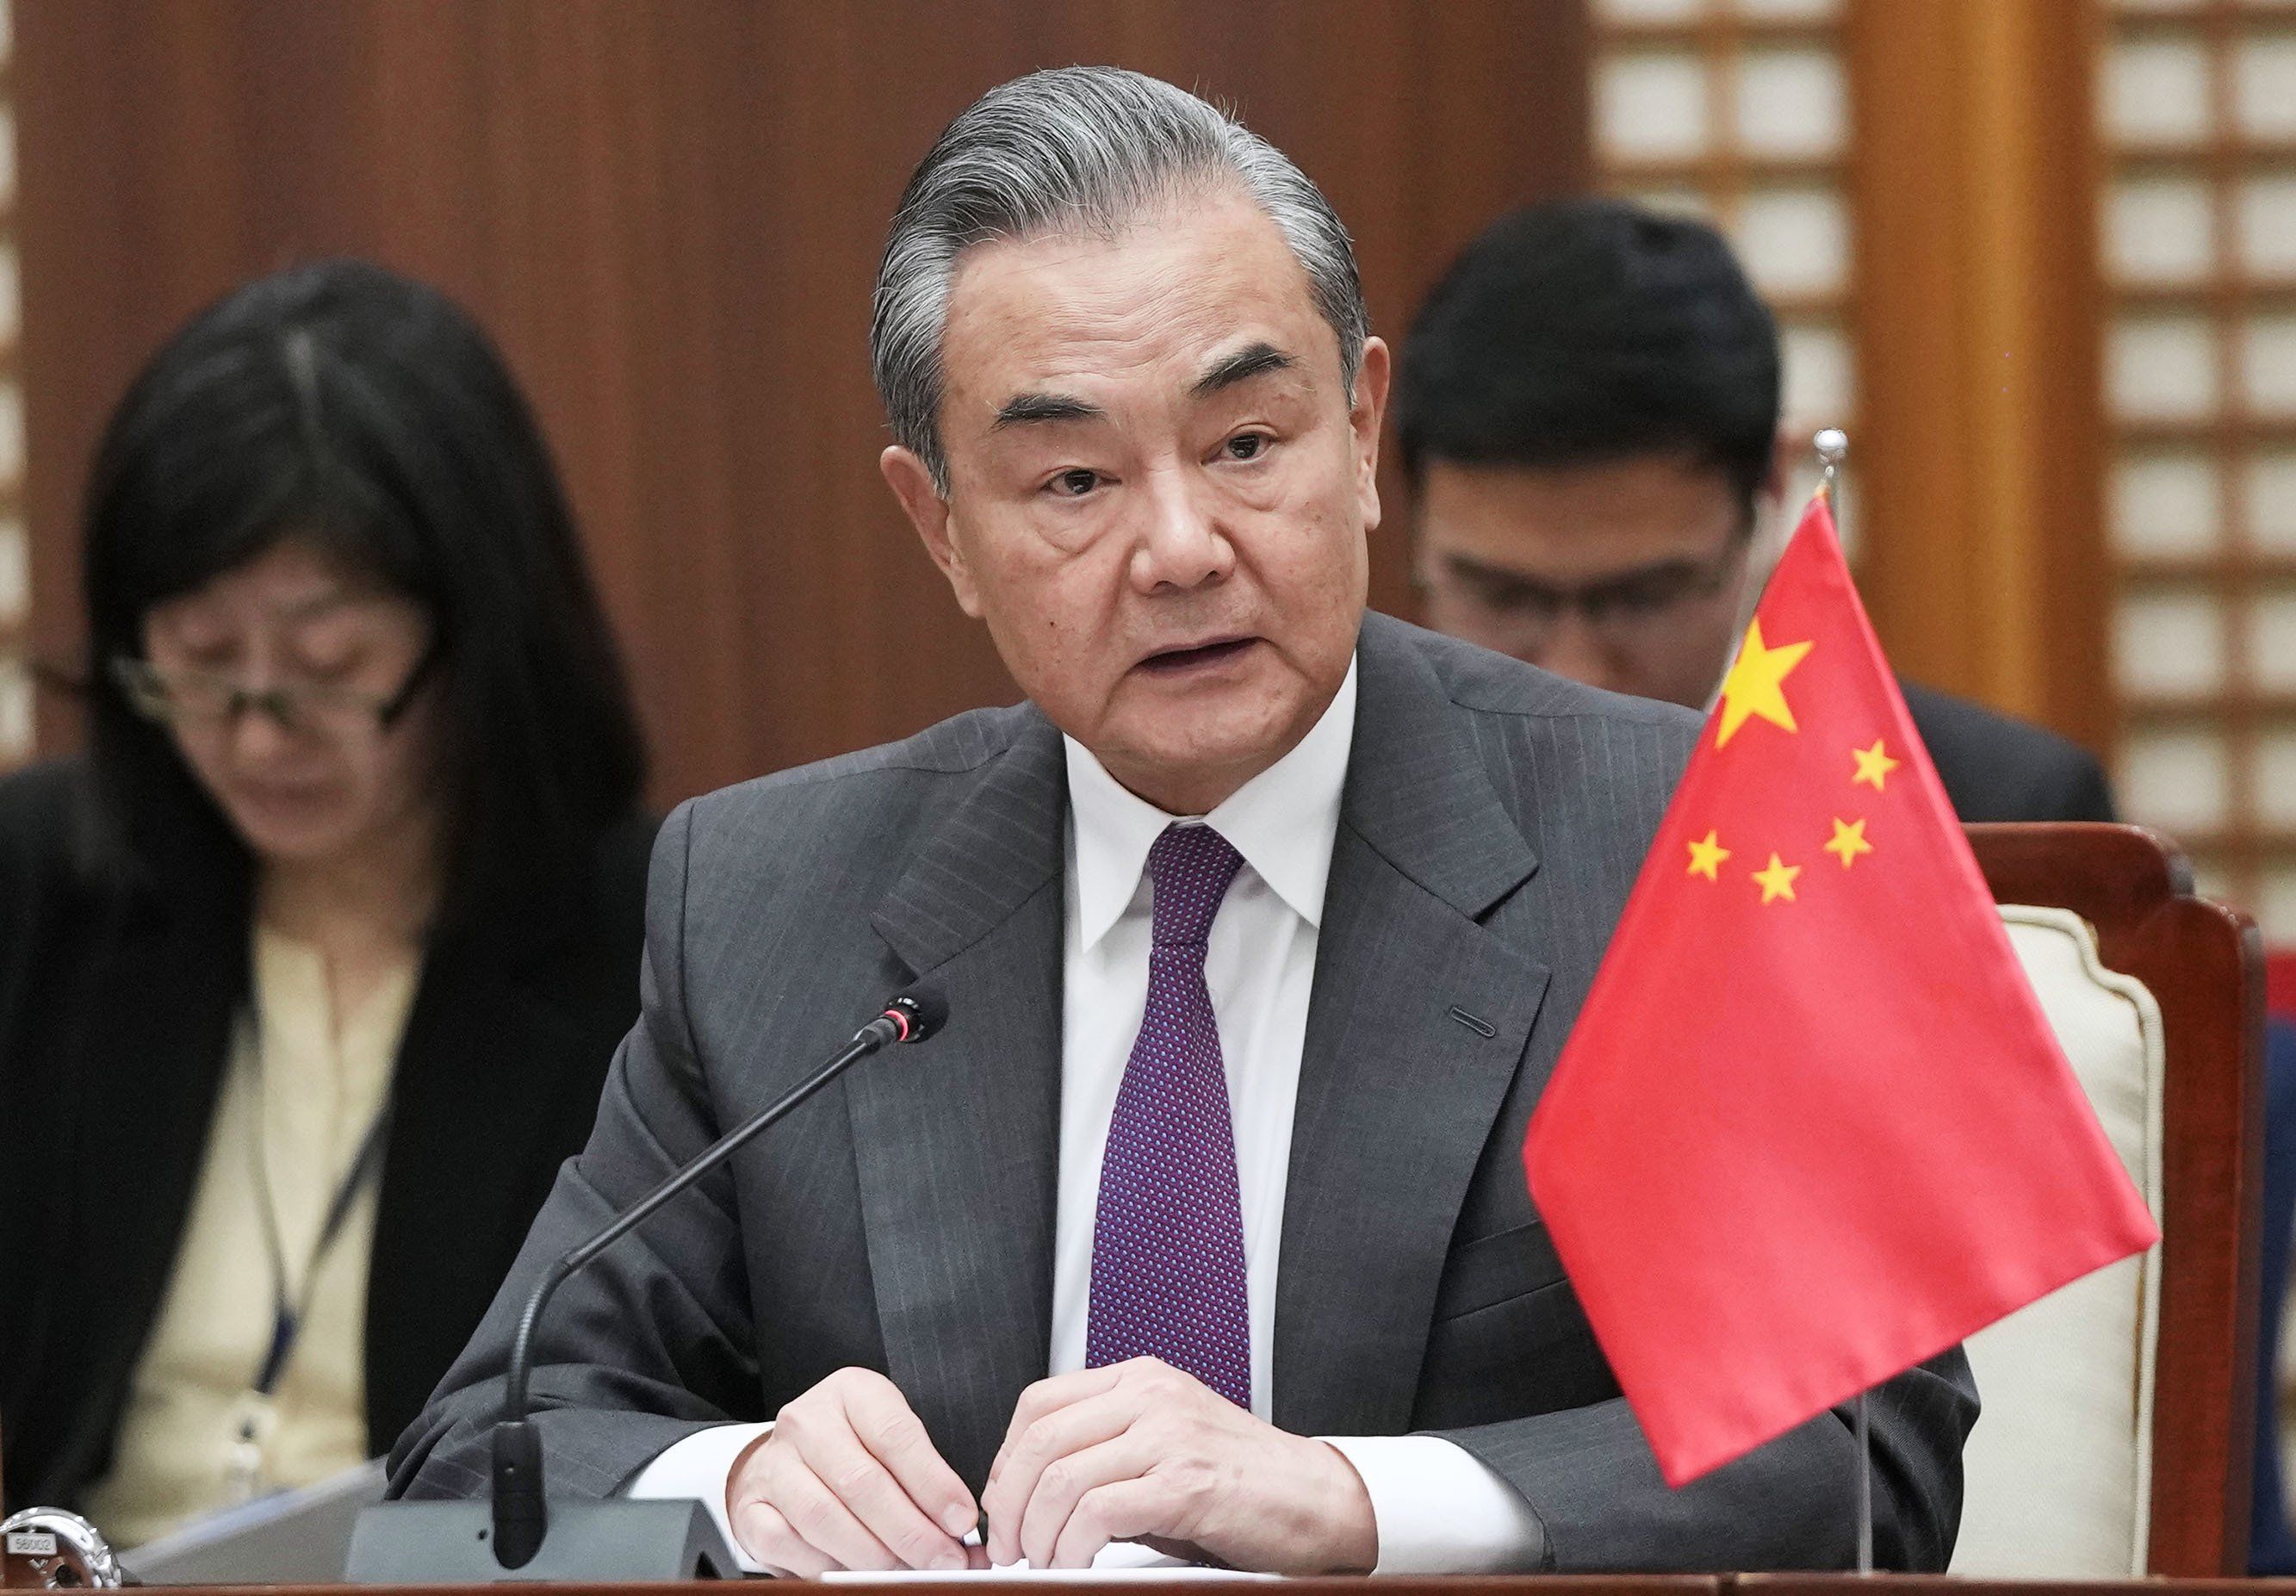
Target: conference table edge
<point x="1548" y="1584"/>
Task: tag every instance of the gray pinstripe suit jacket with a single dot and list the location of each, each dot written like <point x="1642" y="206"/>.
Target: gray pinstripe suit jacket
<point x="1493" y="821"/>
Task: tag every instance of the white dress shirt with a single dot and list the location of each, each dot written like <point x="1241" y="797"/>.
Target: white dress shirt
<point x="1438" y="1510"/>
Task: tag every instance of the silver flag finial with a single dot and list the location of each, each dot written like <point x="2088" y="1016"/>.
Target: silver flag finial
<point x="1831" y="445"/>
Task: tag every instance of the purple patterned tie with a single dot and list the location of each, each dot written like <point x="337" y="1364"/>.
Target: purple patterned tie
<point x="1168" y="1277"/>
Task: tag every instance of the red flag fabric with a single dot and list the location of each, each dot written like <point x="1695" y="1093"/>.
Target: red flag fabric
<point x="1812" y="1126"/>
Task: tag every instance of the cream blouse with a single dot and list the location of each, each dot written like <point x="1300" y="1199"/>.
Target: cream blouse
<point x="317" y="1081"/>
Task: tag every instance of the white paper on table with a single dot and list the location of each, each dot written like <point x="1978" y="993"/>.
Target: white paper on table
<point x="1117" y="1562"/>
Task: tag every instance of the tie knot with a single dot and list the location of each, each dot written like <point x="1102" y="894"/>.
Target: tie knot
<point x="1190" y="867"/>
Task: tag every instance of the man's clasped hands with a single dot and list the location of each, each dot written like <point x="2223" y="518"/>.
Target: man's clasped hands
<point x="847" y="1479"/>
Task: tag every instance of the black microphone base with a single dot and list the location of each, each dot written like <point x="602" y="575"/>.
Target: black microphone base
<point x="589" y="1542"/>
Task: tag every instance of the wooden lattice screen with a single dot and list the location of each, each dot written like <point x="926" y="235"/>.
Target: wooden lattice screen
<point x="2197" y="113"/>
<point x="1739" y="110"/>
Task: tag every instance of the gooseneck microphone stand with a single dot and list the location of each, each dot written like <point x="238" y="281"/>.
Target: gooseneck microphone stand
<point x="521" y="1534"/>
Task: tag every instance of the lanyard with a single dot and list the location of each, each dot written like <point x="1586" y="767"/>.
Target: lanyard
<point x="288" y="1315"/>
<point x="254" y="1416"/>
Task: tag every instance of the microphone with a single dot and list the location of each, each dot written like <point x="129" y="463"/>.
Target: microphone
<point x="519" y="1514"/>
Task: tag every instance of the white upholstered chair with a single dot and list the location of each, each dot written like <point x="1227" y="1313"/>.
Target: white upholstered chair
<point x="2058" y="1473"/>
<point x="2117" y="1412"/>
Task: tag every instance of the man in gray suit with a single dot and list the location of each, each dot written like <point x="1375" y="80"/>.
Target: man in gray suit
<point x="1203" y="1225"/>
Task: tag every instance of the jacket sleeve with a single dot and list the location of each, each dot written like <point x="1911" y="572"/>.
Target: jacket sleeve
<point x="1591" y="1477"/>
<point x="651" y="1342"/>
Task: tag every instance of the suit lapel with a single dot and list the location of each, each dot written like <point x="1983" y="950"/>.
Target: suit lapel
<point x="958" y="1155"/>
<point x="958" y="1148"/>
<point x="1414" y="1033"/>
<point x="154" y="1063"/>
<point x="474" y="1091"/>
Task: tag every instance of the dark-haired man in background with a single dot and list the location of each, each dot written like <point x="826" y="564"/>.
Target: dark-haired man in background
<point x="1589" y="411"/>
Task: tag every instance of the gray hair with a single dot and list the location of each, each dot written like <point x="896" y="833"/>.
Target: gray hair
<point x="1076" y="148"/>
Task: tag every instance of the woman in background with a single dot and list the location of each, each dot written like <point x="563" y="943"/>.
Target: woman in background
<point x="311" y="969"/>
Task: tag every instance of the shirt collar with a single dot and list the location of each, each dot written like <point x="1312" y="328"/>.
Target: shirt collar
<point x="1283" y="821"/>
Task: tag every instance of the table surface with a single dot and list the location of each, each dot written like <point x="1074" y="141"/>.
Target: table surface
<point x="1572" y="1585"/>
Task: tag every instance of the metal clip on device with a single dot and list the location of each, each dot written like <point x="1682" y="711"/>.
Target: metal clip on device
<point x="47" y="1548"/>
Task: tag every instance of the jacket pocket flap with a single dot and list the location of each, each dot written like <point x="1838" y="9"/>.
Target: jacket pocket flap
<point x="1492" y="1269"/>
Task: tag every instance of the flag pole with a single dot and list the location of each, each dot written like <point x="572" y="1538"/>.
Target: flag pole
<point x="1833" y="445"/>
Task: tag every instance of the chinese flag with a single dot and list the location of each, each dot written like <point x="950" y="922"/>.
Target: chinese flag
<point x="1812" y="1127"/>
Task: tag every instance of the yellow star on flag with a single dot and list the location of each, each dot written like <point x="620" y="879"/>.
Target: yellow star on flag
<point x="1848" y="841"/>
<point x="1706" y="858"/>
<point x="1755" y="685"/>
<point x="1777" y="880"/>
<point x="1874" y="765"/>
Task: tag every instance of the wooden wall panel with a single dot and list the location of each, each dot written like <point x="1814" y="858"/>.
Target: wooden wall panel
<point x="669" y="216"/>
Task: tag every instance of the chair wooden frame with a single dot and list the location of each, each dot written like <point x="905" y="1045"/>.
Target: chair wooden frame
<point x="2203" y="964"/>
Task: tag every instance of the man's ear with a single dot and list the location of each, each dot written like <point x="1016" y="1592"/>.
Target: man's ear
<point x="912" y="483"/>
<point x="1367" y="410"/>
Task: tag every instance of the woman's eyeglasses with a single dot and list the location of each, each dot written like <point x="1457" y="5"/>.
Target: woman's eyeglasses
<point x="169" y="697"/>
